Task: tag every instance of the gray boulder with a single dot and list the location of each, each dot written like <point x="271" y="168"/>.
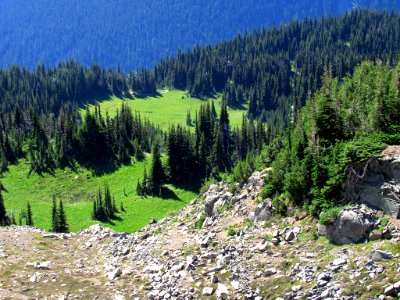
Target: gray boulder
<point x="263" y="211"/>
<point x="377" y="184"/>
<point x="378" y="255"/>
<point x="352" y="225"/>
<point x="209" y="206"/>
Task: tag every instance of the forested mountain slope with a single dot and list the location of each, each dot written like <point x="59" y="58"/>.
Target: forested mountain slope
<point x="274" y="70"/>
<point x="136" y="33"/>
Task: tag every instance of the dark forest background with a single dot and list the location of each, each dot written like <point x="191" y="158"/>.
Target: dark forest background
<point x="134" y="34"/>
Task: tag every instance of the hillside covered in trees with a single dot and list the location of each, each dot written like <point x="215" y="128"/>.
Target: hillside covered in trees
<point x="135" y="34"/>
<point x="344" y="124"/>
<point x="272" y="72"/>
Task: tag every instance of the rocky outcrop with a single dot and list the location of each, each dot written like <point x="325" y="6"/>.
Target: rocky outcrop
<point x="219" y="196"/>
<point x="352" y="225"/>
<point x="263" y="211"/>
<point x="377" y="184"/>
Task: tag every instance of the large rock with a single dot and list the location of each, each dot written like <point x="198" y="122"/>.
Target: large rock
<point x="378" y="255"/>
<point x="353" y="225"/>
<point x="209" y="206"/>
<point x="222" y="290"/>
<point x="377" y="184"/>
<point x="263" y="211"/>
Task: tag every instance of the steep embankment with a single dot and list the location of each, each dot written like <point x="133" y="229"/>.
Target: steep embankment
<point x="223" y="244"/>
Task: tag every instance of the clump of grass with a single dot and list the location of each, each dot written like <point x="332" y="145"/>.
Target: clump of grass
<point x="329" y="216"/>
<point x="200" y="222"/>
<point x="231" y="232"/>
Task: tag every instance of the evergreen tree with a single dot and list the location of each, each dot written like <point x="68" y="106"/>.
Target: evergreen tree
<point x="104" y="207"/>
<point x="217" y="152"/>
<point x="29" y="219"/>
<point x="4" y="221"/>
<point x="139" y="189"/>
<point x="63" y="225"/>
<point x="157" y="175"/>
<point x="189" y="119"/>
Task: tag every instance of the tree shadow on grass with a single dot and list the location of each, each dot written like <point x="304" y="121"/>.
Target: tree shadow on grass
<point x="101" y="97"/>
<point x="193" y="187"/>
<point x="144" y="96"/>
<point x="168" y="194"/>
<point x="239" y="106"/>
<point x="111" y="221"/>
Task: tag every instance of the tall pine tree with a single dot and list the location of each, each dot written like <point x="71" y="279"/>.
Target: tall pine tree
<point x="3" y="213"/>
<point x="157" y="174"/>
<point x="29" y="219"/>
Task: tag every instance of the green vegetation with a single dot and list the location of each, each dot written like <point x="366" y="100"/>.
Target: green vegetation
<point x="340" y="129"/>
<point x="167" y="109"/>
<point x="231" y="232"/>
<point x="200" y="221"/>
<point x="330" y="215"/>
<point x="78" y="189"/>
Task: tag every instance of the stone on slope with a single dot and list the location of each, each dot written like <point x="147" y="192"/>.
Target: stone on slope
<point x="43" y="265"/>
<point x="208" y="291"/>
<point x="222" y="290"/>
<point x="263" y="211"/>
<point x="289" y="236"/>
<point x="114" y="274"/>
<point x="378" y="186"/>
<point x="378" y="255"/>
<point x="352" y="225"/>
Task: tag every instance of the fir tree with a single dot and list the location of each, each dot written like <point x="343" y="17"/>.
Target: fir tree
<point x="63" y="225"/>
<point x="3" y="213"/>
<point x="29" y="219"/>
<point x="157" y="175"/>
<point x="189" y="119"/>
<point x="139" y="189"/>
<point x="104" y="208"/>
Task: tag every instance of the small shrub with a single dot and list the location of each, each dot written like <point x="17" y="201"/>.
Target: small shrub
<point x="231" y="232"/>
<point x="200" y="222"/>
<point x="384" y="223"/>
<point x="206" y="185"/>
<point x="330" y="215"/>
<point x="233" y="187"/>
<point x="280" y="205"/>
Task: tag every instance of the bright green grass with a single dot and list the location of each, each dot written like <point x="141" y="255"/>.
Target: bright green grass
<point x="77" y="189"/>
<point x="169" y="108"/>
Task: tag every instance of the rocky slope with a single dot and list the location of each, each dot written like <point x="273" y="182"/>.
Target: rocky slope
<point x="377" y="182"/>
<point x="225" y="245"/>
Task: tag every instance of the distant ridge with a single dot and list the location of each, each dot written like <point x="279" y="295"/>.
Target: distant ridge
<point x="134" y="34"/>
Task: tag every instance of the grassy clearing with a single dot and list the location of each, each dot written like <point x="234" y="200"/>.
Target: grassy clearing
<point x="169" y="108"/>
<point x="77" y="189"/>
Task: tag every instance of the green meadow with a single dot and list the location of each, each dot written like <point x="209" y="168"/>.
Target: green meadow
<point x="169" y="108"/>
<point x="77" y="190"/>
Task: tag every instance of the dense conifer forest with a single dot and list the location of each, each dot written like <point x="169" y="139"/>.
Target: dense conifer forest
<point x="274" y="70"/>
<point x="135" y="34"/>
